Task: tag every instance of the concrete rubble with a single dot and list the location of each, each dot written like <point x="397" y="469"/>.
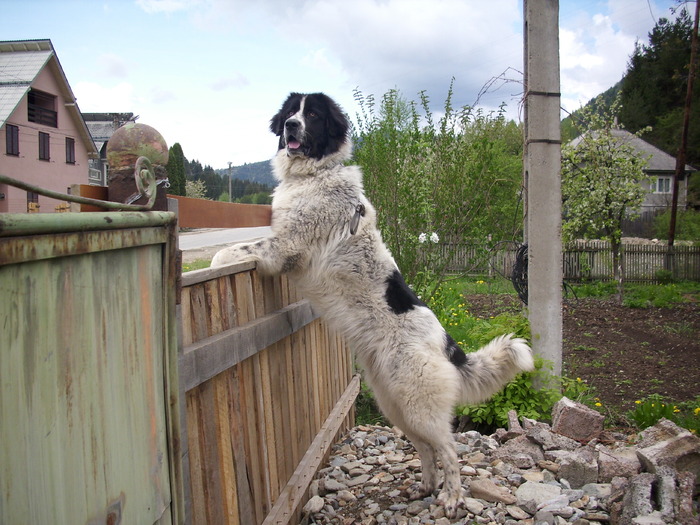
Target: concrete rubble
<point x="572" y="472"/>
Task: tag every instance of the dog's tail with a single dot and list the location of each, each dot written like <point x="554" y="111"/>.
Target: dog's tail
<point x="488" y="370"/>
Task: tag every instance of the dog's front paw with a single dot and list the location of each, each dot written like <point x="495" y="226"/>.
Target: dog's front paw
<point x="239" y="253"/>
<point x="418" y="491"/>
<point x="451" y="500"/>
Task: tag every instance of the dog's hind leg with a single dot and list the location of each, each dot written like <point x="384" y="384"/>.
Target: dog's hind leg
<point x="428" y="461"/>
<point x="452" y="495"/>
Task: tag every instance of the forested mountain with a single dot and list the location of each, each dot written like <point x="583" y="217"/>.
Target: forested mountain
<point x="216" y="181"/>
<point x="259" y="172"/>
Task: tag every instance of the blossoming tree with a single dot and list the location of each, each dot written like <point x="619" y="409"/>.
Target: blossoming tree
<point x="602" y="182"/>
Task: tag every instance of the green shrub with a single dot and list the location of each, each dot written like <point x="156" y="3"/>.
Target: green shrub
<point x="521" y="395"/>
<point x="687" y="225"/>
<point x="649" y="411"/>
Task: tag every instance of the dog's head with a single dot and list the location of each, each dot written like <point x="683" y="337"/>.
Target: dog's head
<point x="310" y="125"/>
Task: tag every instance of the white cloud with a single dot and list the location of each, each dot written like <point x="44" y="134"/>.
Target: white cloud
<point x="113" y="65"/>
<point x="94" y="98"/>
<point x="233" y="81"/>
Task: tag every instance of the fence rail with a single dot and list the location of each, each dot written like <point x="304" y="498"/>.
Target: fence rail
<point x="268" y="387"/>
<point x="586" y="260"/>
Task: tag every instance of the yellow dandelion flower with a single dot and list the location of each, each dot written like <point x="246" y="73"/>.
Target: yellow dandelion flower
<point x="638" y="402"/>
<point x="599" y="404"/>
<point x="697" y="411"/>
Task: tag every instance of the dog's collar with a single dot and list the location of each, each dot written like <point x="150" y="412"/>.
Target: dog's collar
<point x="355" y="222"/>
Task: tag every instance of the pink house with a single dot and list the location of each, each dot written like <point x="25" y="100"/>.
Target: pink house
<point x="46" y="141"/>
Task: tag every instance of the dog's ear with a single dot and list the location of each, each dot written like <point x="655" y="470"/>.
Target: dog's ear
<point x="336" y="121"/>
<point x="277" y="122"/>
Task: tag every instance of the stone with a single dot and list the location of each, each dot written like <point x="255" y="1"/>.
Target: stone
<point x="681" y="451"/>
<point x="517" y="447"/>
<point x="579" y="467"/>
<point x="530" y="495"/>
<point x="597" y="490"/>
<point x="332" y="485"/>
<point x="576" y="421"/>
<point x="473" y="505"/>
<point x="562" y="489"/>
<point x="637" y="500"/>
<point x="314" y="505"/>
<point x="618" y="462"/>
<point x="487" y="490"/>
<point x="661" y="431"/>
<point x="517" y="512"/>
<point x="549" y="440"/>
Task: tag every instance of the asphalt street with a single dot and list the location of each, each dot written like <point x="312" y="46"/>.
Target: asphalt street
<point x="198" y="239"/>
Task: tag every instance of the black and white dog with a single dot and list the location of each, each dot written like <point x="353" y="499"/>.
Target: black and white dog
<point x="324" y="234"/>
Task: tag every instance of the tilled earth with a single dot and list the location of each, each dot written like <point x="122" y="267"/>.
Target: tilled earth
<point x="625" y="354"/>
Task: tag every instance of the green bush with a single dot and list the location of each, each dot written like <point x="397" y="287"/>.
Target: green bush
<point x="521" y="395"/>
<point x="687" y="225"/>
<point x="649" y="411"/>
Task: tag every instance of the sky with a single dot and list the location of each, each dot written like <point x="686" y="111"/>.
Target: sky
<point x="210" y="74"/>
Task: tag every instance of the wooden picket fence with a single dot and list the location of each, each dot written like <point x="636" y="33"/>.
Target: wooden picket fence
<point x="584" y="260"/>
<point x="592" y="260"/>
<point x="268" y="388"/>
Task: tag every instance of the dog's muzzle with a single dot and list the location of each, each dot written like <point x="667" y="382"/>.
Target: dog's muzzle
<point x="293" y="137"/>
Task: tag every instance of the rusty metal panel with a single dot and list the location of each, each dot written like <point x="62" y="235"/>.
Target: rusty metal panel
<point x="86" y="399"/>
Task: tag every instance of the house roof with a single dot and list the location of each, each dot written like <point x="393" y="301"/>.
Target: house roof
<point x="103" y="125"/>
<point x="658" y="161"/>
<point x="20" y="63"/>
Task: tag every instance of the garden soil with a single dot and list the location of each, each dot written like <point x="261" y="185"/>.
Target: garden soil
<point x="625" y="354"/>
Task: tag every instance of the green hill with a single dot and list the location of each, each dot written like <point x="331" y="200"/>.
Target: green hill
<point x="260" y="172"/>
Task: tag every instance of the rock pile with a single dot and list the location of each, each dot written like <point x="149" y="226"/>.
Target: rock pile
<point x="533" y="473"/>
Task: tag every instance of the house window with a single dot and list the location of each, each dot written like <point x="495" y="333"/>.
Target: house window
<point x="41" y="108"/>
<point x="70" y="150"/>
<point x="663" y="185"/>
<point x="44" y="149"/>
<point x="12" y="140"/>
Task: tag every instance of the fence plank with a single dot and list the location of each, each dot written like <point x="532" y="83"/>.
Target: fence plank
<point x="261" y="376"/>
<point x="300" y="480"/>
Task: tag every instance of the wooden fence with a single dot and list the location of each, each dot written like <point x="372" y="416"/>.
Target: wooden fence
<point x="585" y="260"/>
<point x="592" y="260"/>
<point x="268" y="388"/>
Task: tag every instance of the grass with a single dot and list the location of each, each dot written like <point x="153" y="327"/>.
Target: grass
<point x="199" y="264"/>
<point x="638" y="295"/>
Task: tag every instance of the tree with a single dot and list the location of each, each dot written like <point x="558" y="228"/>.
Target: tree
<point x="602" y="182"/>
<point x="196" y="189"/>
<point x="176" y="169"/>
<point x="437" y="185"/>
<point x="654" y="87"/>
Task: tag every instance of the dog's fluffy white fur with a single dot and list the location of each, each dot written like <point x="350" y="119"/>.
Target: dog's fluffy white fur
<point x="417" y="372"/>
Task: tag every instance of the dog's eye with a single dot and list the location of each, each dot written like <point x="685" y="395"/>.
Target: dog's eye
<point x="312" y="114"/>
<point x="290" y="114"/>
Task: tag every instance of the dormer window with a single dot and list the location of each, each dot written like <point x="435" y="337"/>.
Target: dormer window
<point x="42" y="108"/>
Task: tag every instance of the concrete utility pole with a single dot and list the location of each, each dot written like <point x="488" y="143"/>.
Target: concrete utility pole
<point x="542" y="165"/>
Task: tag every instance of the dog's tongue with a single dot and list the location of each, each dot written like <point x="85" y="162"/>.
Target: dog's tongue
<point x="293" y="144"/>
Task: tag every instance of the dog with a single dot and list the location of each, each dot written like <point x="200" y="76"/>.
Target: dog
<point x="324" y="235"/>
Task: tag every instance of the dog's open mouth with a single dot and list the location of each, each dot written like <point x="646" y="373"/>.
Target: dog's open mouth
<point x="294" y="146"/>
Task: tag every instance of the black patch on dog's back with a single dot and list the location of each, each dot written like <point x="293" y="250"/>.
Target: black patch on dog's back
<point x="453" y="351"/>
<point x="399" y="296"/>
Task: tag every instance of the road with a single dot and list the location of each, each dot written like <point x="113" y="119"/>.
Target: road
<point x="203" y="244"/>
<point x="205" y="238"/>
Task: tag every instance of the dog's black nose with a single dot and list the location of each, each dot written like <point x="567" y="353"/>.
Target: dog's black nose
<point x="292" y="124"/>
